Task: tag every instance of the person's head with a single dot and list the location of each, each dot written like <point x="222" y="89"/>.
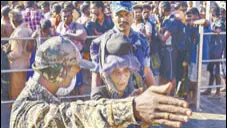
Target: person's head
<point x="119" y="63"/>
<point x="4" y="3"/>
<point x="137" y="12"/>
<point x="85" y="9"/>
<point x="122" y="15"/>
<point x="164" y="8"/>
<point x="97" y="8"/>
<point x="45" y="6"/>
<point x="190" y="4"/>
<point x="69" y="5"/>
<point x="45" y="26"/>
<point x="188" y="17"/>
<point x="19" y="7"/>
<point x="223" y="14"/>
<point x="214" y="13"/>
<point x="67" y="16"/>
<point x="5" y="12"/>
<point x="202" y="12"/>
<point x="56" y="9"/>
<point x="77" y="4"/>
<point x="29" y="4"/>
<point x="57" y="61"/>
<point x="194" y="14"/>
<point x="146" y="11"/>
<point x="184" y="6"/>
<point x="16" y="18"/>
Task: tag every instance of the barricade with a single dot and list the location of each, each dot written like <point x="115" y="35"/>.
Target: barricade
<point x="200" y="61"/>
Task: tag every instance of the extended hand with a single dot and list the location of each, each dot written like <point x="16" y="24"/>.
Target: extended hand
<point x="154" y="107"/>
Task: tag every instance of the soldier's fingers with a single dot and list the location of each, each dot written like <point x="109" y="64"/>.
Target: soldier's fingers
<point x="173" y="117"/>
<point x="174" y="109"/>
<point x="172" y="101"/>
<point x="169" y="123"/>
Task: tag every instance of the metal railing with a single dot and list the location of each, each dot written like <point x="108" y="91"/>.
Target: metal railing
<point x="200" y="61"/>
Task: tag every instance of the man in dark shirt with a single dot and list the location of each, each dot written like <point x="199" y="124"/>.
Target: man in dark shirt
<point x="100" y="22"/>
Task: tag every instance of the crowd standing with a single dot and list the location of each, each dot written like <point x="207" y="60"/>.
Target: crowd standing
<point x="137" y="45"/>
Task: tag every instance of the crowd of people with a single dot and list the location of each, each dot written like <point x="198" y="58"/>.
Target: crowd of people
<point x="136" y="45"/>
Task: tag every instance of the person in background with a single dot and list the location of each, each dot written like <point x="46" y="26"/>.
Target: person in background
<point x="45" y="7"/>
<point x="20" y="53"/>
<point x="56" y="16"/>
<point x="14" y="4"/>
<point x="31" y="15"/>
<point x="6" y="27"/>
<point x="138" y="24"/>
<point x="77" y="34"/>
<point x="194" y="42"/>
<point x="100" y="22"/>
<point x="168" y="50"/>
<point x="20" y="8"/>
<point x="216" y="50"/>
<point x="77" y="5"/>
<point x="85" y="14"/>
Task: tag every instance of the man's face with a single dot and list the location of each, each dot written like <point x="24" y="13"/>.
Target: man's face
<point x="137" y="14"/>
<point x="123" y="20"/>
<point x="67" y="17"/>
<point x="195" y="17"/>
<point x="45" y="9"/>
<point x="94" y="10"/>
<point x="184" y="8"/>
<point x="146" y="13"/>
<point x="188" y="18"/>
<point x="71" y="73"/>
<point x="120" y="77"/>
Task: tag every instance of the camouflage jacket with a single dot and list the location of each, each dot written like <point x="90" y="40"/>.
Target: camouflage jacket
<point x="36" y="107"/>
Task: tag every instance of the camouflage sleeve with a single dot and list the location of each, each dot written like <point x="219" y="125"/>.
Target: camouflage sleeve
<point x="97" y="114"/>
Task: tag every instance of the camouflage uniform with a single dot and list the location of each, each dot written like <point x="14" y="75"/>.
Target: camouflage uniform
<point x="37" y="107"/>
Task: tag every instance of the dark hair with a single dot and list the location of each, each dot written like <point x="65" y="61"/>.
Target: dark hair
<point x="45" y="4"/>
<point x="147" y="6"/>
<point x="29" y="4"/>
<point x="68" y="4"/>
<point x="83" y="7"/>
<point x="138" y="7"/>
<point x="5" y="11"/>
<point x="184" y="4"/>
<point x="19" y="7"/>
<point x="215" y="11"/>
<point x="99" y="4"/>
<point x="56" y="8"/>
<point x="165" y="5"/>
<point x="45" y="23"/>
<point x="194" y="11"/>
<point x="66" y="10"/>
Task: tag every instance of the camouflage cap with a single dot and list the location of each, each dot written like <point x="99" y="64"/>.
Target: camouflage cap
<point x="61" y="51"/>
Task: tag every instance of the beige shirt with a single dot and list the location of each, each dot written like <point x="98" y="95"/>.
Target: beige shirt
<point x="19" y="56"/>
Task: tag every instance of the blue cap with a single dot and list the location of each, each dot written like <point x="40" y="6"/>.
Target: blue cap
<point x="117" y="6"/>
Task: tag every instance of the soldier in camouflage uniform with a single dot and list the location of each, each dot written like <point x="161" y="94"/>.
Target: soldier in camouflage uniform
<point x="57" y="62"/>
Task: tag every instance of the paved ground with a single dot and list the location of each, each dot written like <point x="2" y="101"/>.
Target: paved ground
<point x="212" y="114"/>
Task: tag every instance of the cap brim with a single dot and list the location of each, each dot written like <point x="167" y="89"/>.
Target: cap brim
<point x="121" y="9"/>
<point x="86" y="64"/>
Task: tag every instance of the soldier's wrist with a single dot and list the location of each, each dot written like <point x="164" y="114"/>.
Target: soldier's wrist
<point x="136" y="112"/>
